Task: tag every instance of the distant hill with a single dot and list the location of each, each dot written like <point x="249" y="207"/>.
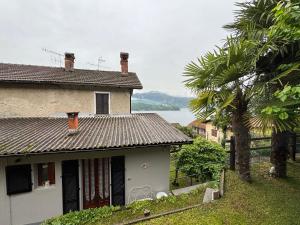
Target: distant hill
<point x="158" y="101"/>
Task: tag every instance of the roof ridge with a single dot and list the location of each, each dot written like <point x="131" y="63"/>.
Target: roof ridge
<point x="56" y="67"/>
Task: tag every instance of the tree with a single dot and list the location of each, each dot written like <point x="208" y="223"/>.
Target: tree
<point x="188" y="131"/>
<point x="223" y="81"/>
<point x="275" y="24"/>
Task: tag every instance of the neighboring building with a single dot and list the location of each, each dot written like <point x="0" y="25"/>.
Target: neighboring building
<point x="27" y="90"/>
<point x="51" y="165"/>
<point x="198" y="127"/>
<point x="209" y="131"/>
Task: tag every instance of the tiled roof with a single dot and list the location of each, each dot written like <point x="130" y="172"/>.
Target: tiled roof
<point x="17" y="73"/>
<point x="19" y="136"/>
<point x="197" y="123"/>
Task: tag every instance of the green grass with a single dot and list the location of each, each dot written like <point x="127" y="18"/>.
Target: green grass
<point x="264" y="201"/>
<point x="136" y="210"/>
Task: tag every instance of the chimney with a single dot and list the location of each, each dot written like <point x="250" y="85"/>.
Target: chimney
<point x="124" y="62"/>
<point x="69" y="61"/>
<point x="73" y="122"/>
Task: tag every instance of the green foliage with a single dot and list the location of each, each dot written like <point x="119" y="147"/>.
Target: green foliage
<point x="188" y="131"/>
<point x="116" y="215"/>
<point x="287" y="21"/>
<point x="286" y="109"/>
<point x="139" y="206"/>
<point x="82" y="217"/>
<point x="202" y="159"/>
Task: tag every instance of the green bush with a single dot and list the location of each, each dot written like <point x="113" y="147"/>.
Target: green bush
<point x="203" y="159"/>
<point x="82" y="217"/>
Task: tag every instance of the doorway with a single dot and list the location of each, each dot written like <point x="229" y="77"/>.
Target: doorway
<point x="95" y="182"/>
<point x="70" y="185"/>
<point x="118" y="180"/>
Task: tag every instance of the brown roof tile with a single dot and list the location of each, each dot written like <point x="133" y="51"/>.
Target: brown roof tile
<point x="30" y="74"/>
<point x="19" y="136"/>
<point x="197" y="123"/>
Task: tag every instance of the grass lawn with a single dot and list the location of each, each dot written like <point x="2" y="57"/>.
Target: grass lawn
<point x="264" y="201"/>
<point x="157" y="206"/>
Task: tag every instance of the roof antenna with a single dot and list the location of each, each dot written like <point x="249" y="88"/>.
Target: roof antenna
<point x="55" y="57"/>
<point x="100" y="60"/>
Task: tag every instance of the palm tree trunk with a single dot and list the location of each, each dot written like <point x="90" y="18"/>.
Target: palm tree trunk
<point x="242" y="137"/>
<point x="242" y="146"/>
<point x="279" y="153"/>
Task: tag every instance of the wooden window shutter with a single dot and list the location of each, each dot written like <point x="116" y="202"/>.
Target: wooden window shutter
<point x="40" y="179"/>
<point x="102" y="103"/>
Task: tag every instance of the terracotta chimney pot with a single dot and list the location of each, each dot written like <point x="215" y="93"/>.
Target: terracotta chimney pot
<point x="73" y="122"/>
<point x="124" y="62"/>
<point x="69" y="61"/>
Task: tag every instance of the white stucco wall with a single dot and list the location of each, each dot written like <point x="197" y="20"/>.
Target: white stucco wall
<point x="147" y="168"/>
<point x="143" y="167"/>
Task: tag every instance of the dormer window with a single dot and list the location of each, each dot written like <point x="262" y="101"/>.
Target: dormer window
<point x="102" y="103"/>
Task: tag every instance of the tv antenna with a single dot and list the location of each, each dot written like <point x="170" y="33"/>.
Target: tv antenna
<point x="55" y="57"/>
<point x="100" y="60"/>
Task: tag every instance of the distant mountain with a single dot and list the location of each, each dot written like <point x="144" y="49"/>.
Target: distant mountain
<point x="158" y="101"/>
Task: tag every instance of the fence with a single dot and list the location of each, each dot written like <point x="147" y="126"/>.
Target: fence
<point x="260" y="149"/>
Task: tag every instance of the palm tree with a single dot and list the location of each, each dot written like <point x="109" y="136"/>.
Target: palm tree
<point x="259" y="19"/>
<point x="224" y="81"/>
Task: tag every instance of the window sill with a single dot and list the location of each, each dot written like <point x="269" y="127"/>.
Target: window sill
<point x="42" y="188"/>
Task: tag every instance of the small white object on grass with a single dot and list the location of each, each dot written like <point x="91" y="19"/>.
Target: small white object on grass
<point x="272" y="171"/>
<point x="159" y="195"/>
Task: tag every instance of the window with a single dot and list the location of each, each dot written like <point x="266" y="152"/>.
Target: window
<point x="46" y="174"/>
<point x="214" y="132"/>
<point x="102" y="103"/>
<point x="18" y="179"/>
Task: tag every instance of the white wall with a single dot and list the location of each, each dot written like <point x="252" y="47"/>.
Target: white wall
<point x="147" y="168"/>
<point x="33" y="206"/>
<point x="143" y="167"/>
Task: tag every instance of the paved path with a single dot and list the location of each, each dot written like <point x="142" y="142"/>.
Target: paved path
<point x="187" y="189"/>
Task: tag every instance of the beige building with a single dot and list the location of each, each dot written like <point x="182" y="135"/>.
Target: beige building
<point x="209" y="131"/>
<point x="52" y="162"/>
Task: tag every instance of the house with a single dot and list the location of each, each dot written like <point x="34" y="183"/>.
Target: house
<point x="54" y="160"/>
<point x="208" y="130"/>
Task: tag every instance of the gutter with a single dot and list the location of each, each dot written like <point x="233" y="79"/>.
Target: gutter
<point x="92" y="150"/>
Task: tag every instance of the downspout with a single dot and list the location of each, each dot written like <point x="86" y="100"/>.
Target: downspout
<point x="130" y="98"/>
<point x="9" y="197"/>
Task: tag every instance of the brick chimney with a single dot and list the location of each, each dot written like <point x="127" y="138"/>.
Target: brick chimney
<point x="73" y="122"/>
<point x="69" y="61"/>
<point x="124" y="62"/>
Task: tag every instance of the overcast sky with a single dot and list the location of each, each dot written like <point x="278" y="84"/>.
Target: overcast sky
<point x="160" y="36"/>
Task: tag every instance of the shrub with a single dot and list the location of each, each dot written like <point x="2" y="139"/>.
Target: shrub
<point x="203" y="159"/>
<point x="82" y="217"/>
<point x="188" y="131"/>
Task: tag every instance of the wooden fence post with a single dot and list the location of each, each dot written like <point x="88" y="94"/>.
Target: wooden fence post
<point x="232" y="153"/>
<point x="294" y="147"/>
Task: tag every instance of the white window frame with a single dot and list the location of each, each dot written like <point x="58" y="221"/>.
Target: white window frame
<point x="95" y="105"/>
